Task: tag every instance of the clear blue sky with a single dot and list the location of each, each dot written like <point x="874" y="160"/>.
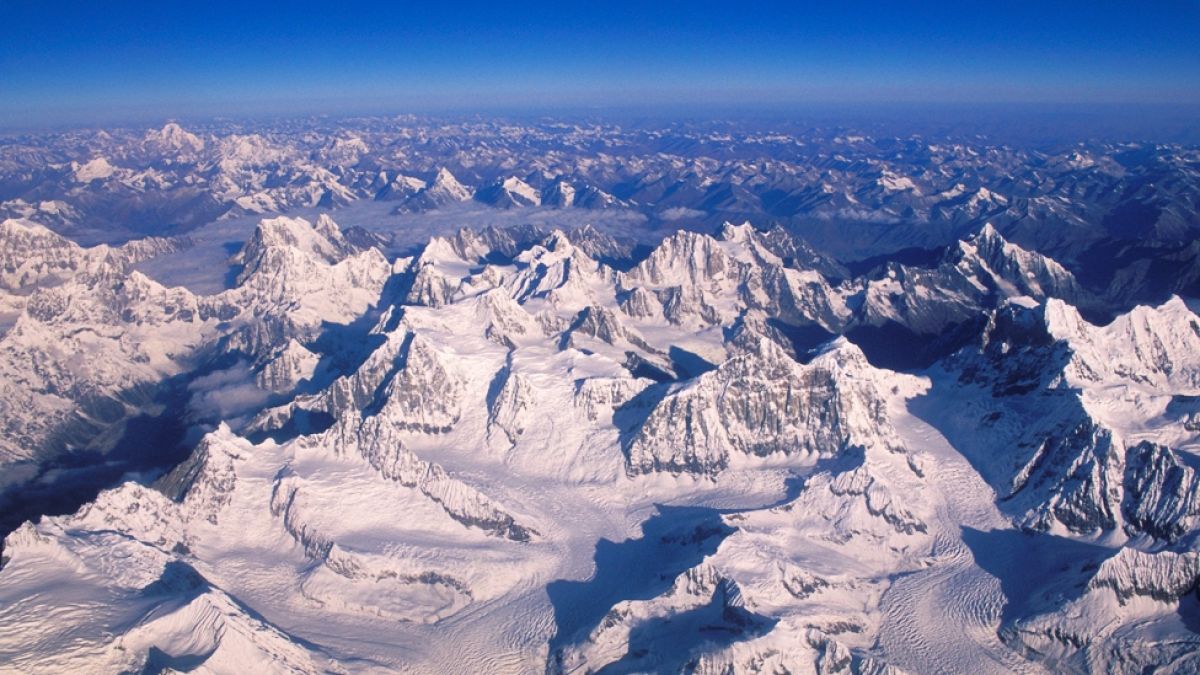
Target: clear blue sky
<point x="99" y="61"/>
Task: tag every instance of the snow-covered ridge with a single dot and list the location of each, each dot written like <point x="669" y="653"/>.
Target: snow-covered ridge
<point x="69" y="301"/>
<point x="1087" y="409"/>
<point x="762" y="403"/>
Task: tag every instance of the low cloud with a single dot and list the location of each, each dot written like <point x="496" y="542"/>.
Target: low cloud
<point x="680" y="213"/>
<point x="859" y="216"/>
<point x="226" y="394"/>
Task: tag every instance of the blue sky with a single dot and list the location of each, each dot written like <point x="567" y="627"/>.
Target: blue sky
<point x="77" y="62"/>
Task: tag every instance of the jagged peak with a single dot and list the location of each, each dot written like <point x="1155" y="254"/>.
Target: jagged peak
<point x="174" y="136"/>
<point x="838" y="344"/>
<point x="737" y="233"/>
<point x="326" y="226"/>
<point x="989" y="243"/>
<point x="509" y="192"/>
<point x="557" y="241"/>
<point x="702" y="426"/>
<point x="751" y="336"/>
<point x="988" y="231"/>
<point x="320" y="271"/>
<point x="96" y="168"/>
<point x="179" y="482"/>
<point x="800" y="254"/>
<point x="322" y="240"/>
<point x="555" y="247"/>
<point x="1151" y="346"/>
<point x="683" y="256"/>
<point x="1171" y="323"/>
<point x="986" y="195"/>
<point x="588" y="230"/>
<point x="512" y="183"/>
<point x="1016" y="270"/>
<point x="842" y="353"/>
<point x="31" y="253"/>
<point x="1172" y="306"/>
<point x="440" y="249"/>
<point x="599" y="243"/>
<point x="471" y="245"/>
<point x="744" y="243"/>
<point x="846" y="360"/>
<point x="683" y="238"/>
<point x="504" y="320"/>
<point x="444" y="188"/>
<point x="446" y="182"/>
<point x="1063" y="320"/>
<point x="985" y="242"/>
<point x="405" y="182"/>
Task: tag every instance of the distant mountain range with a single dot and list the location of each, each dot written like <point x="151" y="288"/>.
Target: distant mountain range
<point x="851" y="194"/>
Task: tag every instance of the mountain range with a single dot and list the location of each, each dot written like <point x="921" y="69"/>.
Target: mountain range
<point x="541" y="438"/>
<point x="504" y="454"/>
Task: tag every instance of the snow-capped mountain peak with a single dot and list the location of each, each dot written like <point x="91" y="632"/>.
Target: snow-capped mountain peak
<point x="173" y="137"/>
<point x="510" y="192"/>
<point x="445" y="184"/>
<point x="1157" y="347"/>
<point x="95" y="169"/>
<point x="521" y="189"/>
